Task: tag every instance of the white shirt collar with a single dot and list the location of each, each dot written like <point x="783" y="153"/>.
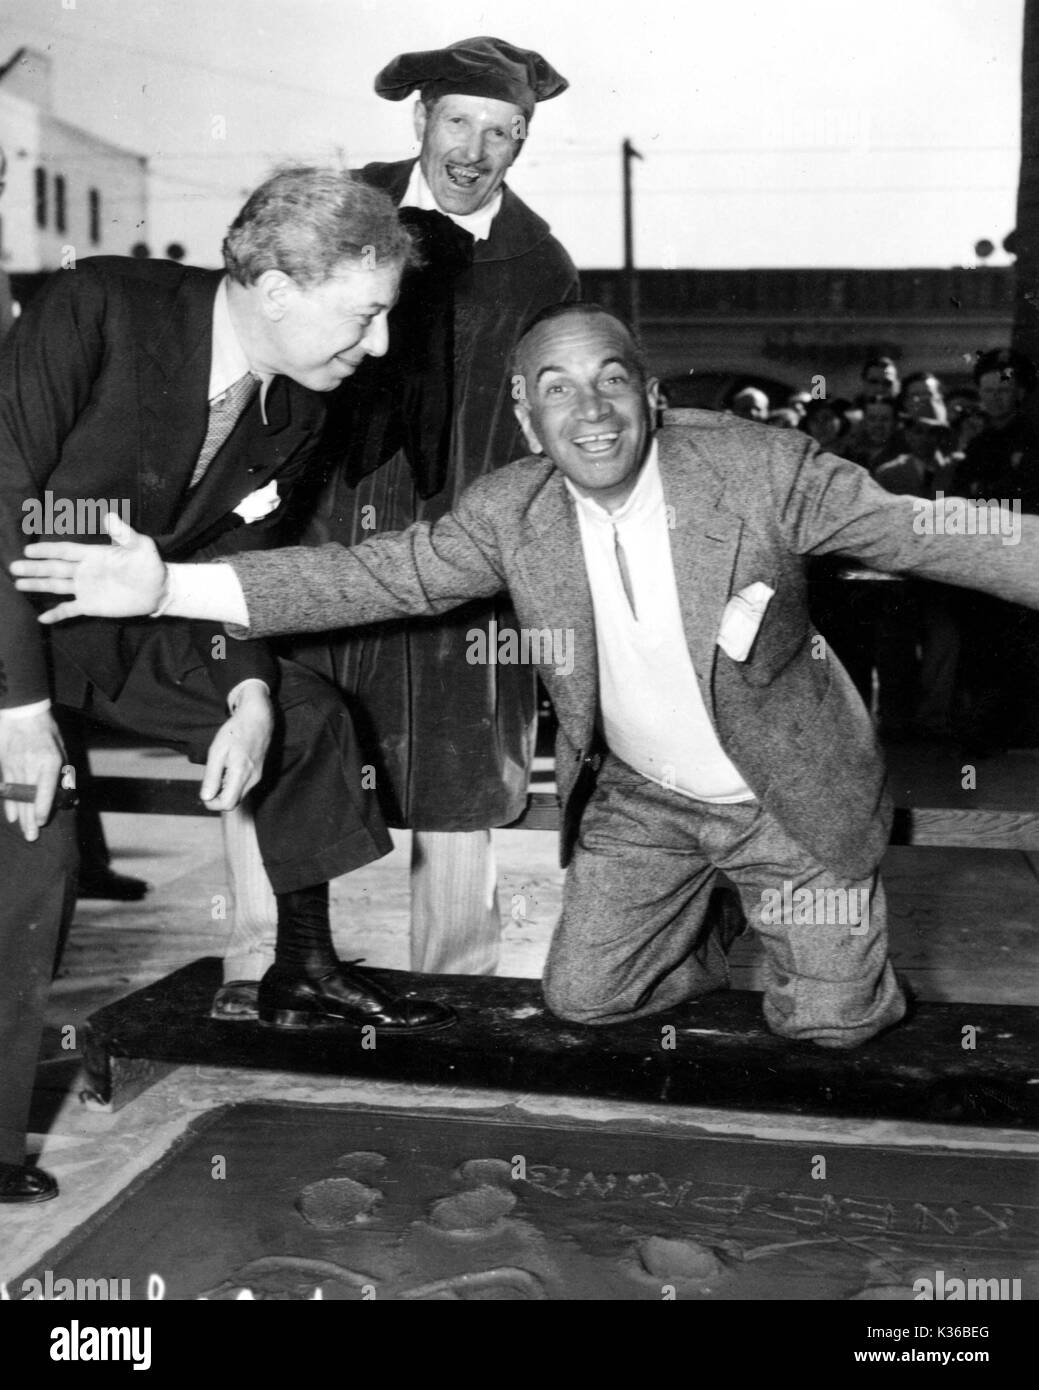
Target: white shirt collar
<point x="647" y="494"/>
<point x="228" y="362"/>
<point x="418" y="194"/>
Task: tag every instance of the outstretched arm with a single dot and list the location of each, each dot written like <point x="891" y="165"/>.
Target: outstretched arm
<point x="424" y="570"/>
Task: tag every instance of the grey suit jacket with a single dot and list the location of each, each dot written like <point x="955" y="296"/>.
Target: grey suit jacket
<point x="748" y="503"/>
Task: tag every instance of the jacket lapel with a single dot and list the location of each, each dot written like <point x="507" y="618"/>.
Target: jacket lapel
<point x="173" y="383"/>
<point x="558" y="597"/>
<point x="173" y="380"/>
<point x="705" y="538"/>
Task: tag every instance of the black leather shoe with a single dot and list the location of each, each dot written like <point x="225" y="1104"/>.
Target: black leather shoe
<point x="289" y="998"/>
<point x="107" y="884"/>
<point x="21" y="1182"/>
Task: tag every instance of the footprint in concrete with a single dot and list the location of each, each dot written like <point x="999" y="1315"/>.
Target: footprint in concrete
<point x="336" y="1202"/>
<point x="474" y="1212"/>
<point x="679" y="1261"/>
<point x="362" y="1162"/>
<point x="492" y="1172"/>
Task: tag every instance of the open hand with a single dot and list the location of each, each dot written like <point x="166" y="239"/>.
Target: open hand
<point x="236" y="755"/>
<point x="123" y="580"/>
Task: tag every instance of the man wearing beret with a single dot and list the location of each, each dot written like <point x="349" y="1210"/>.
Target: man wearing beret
<point x="451" y="741"/>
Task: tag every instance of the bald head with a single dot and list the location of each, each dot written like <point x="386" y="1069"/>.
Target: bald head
<point x="555" y="312"/>
<point x="584" y="400"/>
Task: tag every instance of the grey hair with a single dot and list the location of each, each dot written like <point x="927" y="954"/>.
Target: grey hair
<point x="305" y="221"/>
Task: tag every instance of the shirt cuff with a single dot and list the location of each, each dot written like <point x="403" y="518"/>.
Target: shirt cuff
<point x="26" y="711"/>
<point x="211" y="593"/>
<point x="236" y="694"/>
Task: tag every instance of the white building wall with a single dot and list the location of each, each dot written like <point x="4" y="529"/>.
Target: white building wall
<point x="20" y="141"/>
<point x="117" y="176"/>
<point x="32" y="138"/>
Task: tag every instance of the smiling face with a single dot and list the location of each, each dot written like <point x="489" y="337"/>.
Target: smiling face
<point x="586" y="404"/>
<point x="320" y="335"/>
<point x="468" y="144"/>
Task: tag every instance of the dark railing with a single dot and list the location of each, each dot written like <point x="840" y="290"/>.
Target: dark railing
<point x="900" y="294"/>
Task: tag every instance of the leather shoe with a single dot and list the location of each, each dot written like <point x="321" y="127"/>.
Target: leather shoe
<point x="21" y="1182"/>
<point x="290" y="998"/>
<point x="236" y="1001"/>
<point x="107" y="884"/>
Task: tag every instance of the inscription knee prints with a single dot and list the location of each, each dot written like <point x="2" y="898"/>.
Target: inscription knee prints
<point x="516" y="1228"/>
<point x="792" y="906"/>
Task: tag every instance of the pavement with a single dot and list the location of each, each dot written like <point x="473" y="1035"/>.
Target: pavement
<point x="952" y="933"/>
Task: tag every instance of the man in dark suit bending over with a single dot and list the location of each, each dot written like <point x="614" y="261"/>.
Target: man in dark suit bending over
<point x="190" y="402"/>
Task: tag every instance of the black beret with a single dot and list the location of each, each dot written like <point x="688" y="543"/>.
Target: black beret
<point x="480" y="67"/>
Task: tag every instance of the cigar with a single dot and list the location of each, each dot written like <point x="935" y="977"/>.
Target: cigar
<point x="64" y="797"/>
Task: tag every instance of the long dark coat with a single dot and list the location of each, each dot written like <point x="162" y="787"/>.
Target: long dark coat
<point x="451" y="741"/>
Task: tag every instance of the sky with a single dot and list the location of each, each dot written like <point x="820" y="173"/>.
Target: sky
<point x="785" y="133"/>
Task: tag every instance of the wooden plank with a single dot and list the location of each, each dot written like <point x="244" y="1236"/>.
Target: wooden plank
<point x="149" y="796"/>
<point x="719" y="1052"/>
<point x="976" y="828"/>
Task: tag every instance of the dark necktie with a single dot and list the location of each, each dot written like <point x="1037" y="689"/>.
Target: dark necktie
<point x="224" y="413"/>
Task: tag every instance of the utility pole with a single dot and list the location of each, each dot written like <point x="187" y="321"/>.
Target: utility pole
<point x="631" y="284"/>
<point x="1025" y="244"/>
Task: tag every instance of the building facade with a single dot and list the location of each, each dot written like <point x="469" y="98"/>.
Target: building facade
<point x="68" y="194"/>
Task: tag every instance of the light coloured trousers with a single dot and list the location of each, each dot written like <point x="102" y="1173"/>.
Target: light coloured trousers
<point x="630" y="941"/>
<point x="455" y="923"/>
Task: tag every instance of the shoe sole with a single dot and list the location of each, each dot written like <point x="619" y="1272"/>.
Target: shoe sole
<point x="27" y="1200"/>
<point x="300" y="1020"/>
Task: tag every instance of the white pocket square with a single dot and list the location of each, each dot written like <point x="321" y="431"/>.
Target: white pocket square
<point x="259" y="503"/>
<point x="741" y="620"/>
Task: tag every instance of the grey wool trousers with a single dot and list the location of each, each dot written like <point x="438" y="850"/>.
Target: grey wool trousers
<point x="633" y="940"/>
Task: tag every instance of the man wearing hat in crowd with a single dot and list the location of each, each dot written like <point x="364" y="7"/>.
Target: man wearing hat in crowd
<point x="451" y="742"/>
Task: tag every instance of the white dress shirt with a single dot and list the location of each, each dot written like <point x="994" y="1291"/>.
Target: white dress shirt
<point x="228" y="362"/>
<point x="654" y="717"/>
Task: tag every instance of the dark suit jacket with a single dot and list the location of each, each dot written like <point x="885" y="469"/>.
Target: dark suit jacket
<point x="749" y="503"/>
<point x="103" y="395"/>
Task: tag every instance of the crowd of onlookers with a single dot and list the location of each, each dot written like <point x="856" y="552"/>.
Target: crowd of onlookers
<point x="932" y="661"/>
